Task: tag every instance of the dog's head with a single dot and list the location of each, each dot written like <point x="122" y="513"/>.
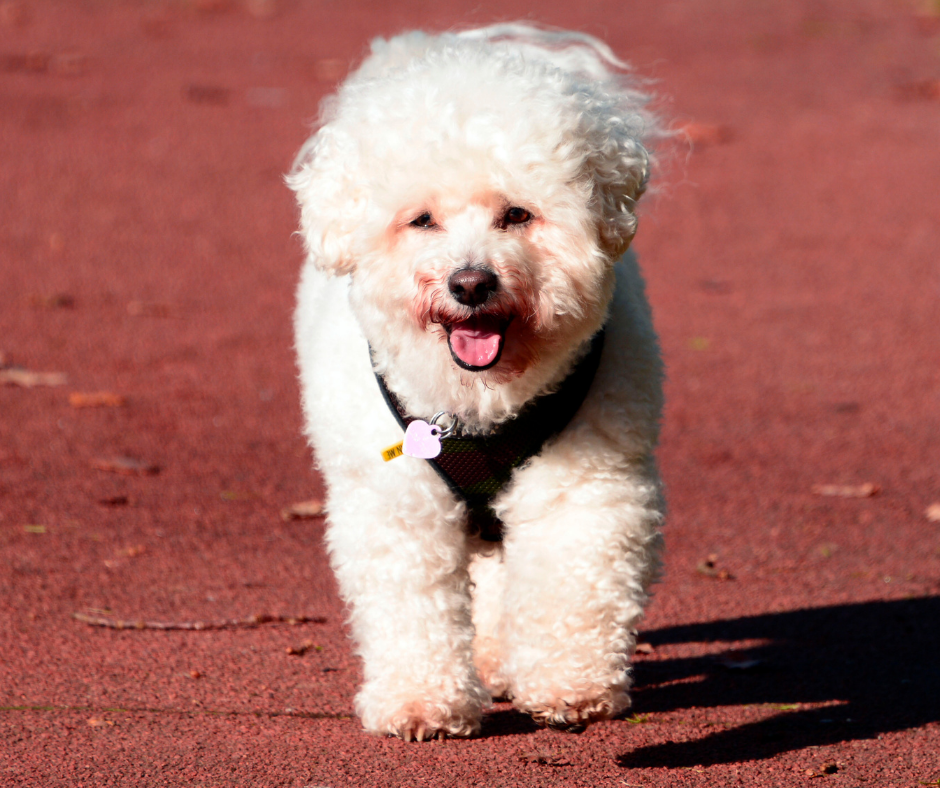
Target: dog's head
<point x="477" y="188"/>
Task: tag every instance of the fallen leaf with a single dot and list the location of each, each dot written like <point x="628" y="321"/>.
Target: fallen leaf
<point x="703" y="134"/>
<point x="923" y="90"/>
<point x="716" y="286"/>
<point x="31" y="63"/>
<point x="17" y="376"/>
<point x="127" y="466"/>
<point x="148" y="309"/>
<point x="846" y="407"/>
<point x="52" y="301"/>
<point x="266" y="98"/>
<point x="96" y="399"/>
<point x="304" y="510"/>
<point x="709" y="569"/>
<point x="644" y="648"/>
<point x="97" y="722"/>
<point x="238" y="495"/>
<point x="299" y="651"/>
<point x="545" y="757"/>
<point x="34" y="529"/>
<point x="866" y="490"/>
<point x="114" y="500"/>
<point x="932" y="512"/>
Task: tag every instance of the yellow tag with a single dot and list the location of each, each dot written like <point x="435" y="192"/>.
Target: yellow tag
<point x="393" y="451"/>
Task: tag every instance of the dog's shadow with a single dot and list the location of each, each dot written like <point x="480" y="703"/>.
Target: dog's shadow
<point x="875" y="667"/>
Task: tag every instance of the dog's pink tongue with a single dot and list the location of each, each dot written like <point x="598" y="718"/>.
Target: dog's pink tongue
<point x="476" y="341"/>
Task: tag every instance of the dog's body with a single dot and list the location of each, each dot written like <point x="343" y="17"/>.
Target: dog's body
<point x="465" y="204"/>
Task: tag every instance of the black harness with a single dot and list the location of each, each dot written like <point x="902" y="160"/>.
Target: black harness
<point x="476" y="467"/>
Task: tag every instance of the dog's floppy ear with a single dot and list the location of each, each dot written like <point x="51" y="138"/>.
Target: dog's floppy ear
<point x="332" y="204"/>
<point x="620" y="170"/>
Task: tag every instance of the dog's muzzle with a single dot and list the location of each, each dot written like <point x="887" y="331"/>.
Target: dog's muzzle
<point x="472" y="286"/>
<point x="476" y="343"/>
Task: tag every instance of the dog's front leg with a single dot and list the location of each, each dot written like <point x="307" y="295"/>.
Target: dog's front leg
<point x="580" y="553"/>
<point x="400" y="557"/>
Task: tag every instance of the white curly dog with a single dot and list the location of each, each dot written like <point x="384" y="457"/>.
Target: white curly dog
<point x="466" y="204"/>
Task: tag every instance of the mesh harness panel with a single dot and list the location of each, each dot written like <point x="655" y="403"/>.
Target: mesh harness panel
<point x="476" y="467"/>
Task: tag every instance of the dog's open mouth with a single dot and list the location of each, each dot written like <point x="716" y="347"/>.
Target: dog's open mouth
<point x="477" y="343"/>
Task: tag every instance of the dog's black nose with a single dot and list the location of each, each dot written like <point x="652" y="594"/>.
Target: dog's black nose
<point x="472" y="286"/>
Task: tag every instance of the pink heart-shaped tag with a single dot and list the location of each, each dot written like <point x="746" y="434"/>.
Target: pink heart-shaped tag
<point x="422" y="440"/>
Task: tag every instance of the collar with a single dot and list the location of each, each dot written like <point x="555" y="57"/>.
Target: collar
<point x="477" y="467"/>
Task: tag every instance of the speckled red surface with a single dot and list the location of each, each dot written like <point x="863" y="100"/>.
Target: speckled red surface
<point x="793" y="266"/>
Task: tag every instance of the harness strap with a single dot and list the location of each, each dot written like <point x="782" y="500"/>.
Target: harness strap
<point x="476" y="467"/>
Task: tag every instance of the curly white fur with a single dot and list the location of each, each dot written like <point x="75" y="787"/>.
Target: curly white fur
<point x="413" y="174"/>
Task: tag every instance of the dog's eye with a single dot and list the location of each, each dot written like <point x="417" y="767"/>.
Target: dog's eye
<point x="424" y="220"/>
<point x="516" y="215"/>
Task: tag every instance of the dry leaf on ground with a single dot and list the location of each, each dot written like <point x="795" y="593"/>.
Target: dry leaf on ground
<point x="53" y="301"/>
<point x="866" y="490"/>
<point x="114" y="500"/>
<point x="702" y="134"/>
<point x="17" y="376"/>
<point x="709" y="568"/>
<point x="148" y="309"/>
<point x="923" y="90"/>
<point x="125" y="465"/>
<point x="304" y="510"/>
<point x="299" y="651"/>
<point x="545" y="757"/>
<point x="96" y="399"/>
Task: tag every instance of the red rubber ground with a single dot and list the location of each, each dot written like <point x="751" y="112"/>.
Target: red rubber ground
<point x="146" y="251"/>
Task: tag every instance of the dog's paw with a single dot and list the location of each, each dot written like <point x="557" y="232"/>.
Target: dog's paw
<point x="421" y="720"/>
<point x="573" y="716"/>
<point x="489" y="669"/>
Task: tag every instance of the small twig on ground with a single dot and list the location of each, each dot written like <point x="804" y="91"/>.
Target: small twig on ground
<point x="109" y="622"/>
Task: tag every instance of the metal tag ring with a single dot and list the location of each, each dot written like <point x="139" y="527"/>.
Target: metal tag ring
<point x="444" y="433"/>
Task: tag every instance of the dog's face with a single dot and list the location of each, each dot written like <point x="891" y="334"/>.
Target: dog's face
<point x="489" y="277"/>
<point x="477" y="206"/>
